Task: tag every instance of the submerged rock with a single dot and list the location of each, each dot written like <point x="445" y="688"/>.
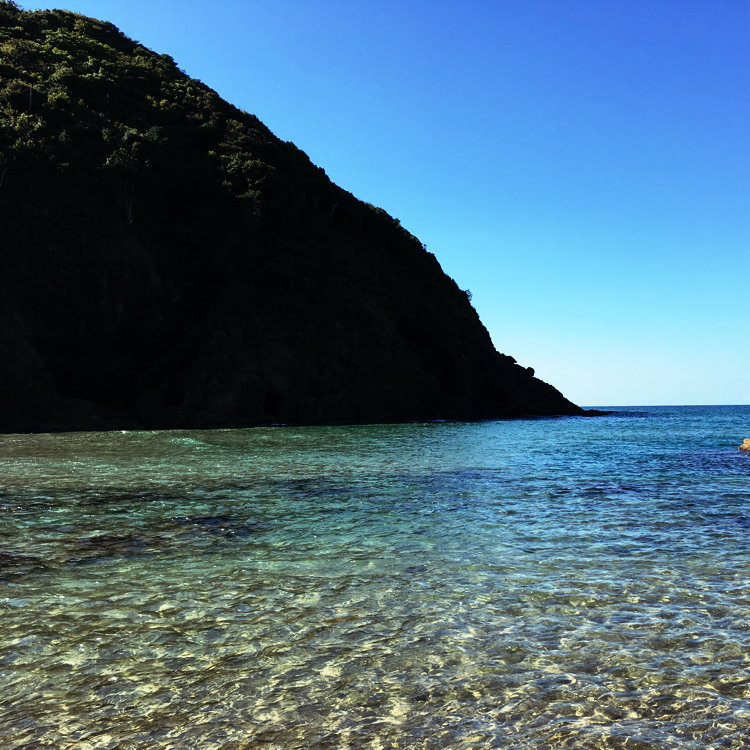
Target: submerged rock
<point x="169" y="262"/>
<point x="227" y="526"/>
<point x="102" y="547"/>
<point x="17" y="563"/>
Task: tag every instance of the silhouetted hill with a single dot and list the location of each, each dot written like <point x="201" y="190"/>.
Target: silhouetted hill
<point x="167" y="261"/>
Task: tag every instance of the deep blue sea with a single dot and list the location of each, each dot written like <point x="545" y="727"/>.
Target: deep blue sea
<point x="545" y="583"/>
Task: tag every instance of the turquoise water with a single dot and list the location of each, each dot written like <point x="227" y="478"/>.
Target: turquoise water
<point x="551" y="583"/>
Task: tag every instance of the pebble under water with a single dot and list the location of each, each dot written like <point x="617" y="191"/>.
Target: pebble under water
<point x="549" y="583"/>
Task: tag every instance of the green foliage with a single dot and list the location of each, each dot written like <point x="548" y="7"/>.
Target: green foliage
<point x="8" y="8"/>
<point x="80" y="101"/>
<point x="78" y="98"/>
<point x="65" y="74"/>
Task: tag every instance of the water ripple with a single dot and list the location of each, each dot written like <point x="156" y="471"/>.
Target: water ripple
<point x="512" y="584"/>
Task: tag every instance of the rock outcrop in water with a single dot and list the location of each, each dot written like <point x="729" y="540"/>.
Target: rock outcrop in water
<point x="745" y="445"/>
<point x="167" y="261"/>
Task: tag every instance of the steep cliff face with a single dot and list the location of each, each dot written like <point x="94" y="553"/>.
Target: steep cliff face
<point x="167" y="261"/>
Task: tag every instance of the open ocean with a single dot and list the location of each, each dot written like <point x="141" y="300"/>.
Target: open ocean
<point x="541" y="583"/>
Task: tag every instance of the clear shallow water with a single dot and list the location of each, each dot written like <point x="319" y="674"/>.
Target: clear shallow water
<point x="566" y="583"/>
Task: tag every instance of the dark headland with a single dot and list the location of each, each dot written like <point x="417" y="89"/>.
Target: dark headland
<point x="166" y="261"/>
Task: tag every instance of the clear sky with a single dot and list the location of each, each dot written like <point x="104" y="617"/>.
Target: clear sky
<point x="583" y="167"/>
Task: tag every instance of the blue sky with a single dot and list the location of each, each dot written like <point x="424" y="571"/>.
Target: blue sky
<point x="583" y="167"/>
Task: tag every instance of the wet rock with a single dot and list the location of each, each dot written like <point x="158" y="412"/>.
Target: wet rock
<point x="745" y="445"/>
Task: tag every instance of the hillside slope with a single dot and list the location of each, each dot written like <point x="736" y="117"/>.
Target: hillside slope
<point x="167" y="261"/>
